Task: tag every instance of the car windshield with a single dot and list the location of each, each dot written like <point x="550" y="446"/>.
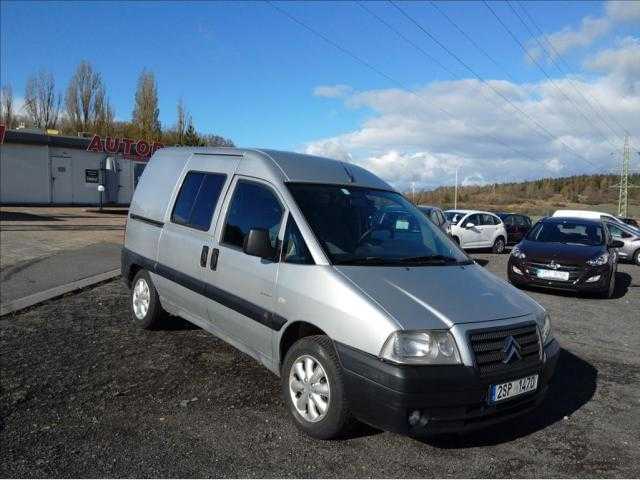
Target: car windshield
<point x="363" y="226"/>
<point x="569" y="232"/>
<point x="454" y="216"/>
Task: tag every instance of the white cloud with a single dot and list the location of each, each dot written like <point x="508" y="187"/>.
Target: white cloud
<point x="332" y="91"/>
<point x="622" y="64"/>
<point x="409" y="139"/>
<point x="568" y="38"/>
<point x="590" y="29"/>
<point x="554" y="165"/>
<point x="623" y="10"/>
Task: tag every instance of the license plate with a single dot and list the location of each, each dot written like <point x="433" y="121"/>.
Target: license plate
<point x="552" y="274"/>
<point x="504" y="391"/>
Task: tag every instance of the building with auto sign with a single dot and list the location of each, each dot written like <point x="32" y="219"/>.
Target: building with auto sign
<point x="38" y="168"/>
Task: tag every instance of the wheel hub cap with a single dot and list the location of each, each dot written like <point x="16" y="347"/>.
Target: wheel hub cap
<point x="141" y="298"/>
<point x="309" y="388"/>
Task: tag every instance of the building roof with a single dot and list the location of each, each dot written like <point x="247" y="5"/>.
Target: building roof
<point x="37" y="138"/>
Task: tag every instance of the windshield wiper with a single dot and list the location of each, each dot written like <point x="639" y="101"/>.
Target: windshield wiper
<point x="429" y="259"/>
<point x="365" y="261"/>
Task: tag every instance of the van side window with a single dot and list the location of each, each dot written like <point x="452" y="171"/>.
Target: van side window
<point x="253" y="206"/>
<point x="197" y="199"/>
<point x="294" y="248"/>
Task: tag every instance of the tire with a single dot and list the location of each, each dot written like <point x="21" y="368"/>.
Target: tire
<point x="316" y="355"/>
<point x="636" y="257"/>
<point x="611" y="289"/>
<point x="144" y="303"/>
<point x="457" y="240"/>
<point x="498" y="245"/>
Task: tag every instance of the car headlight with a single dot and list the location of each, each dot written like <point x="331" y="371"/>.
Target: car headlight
<point x="517" y="253"/>
<point x="427" y="347"/>
<point x="546" y="330"/>
<point x="599" y="260"/>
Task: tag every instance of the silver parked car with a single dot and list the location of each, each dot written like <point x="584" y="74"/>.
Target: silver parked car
<point x="337" y="284"/>
<point x="630" y="237"/>
<point x="436" y="215"/>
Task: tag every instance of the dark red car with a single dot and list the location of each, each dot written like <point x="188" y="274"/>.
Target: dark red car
<point x="516" y="224"/>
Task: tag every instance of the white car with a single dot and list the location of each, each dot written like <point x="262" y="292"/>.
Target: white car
<point x="477" y="229"/>
<point x="587" y="214"/>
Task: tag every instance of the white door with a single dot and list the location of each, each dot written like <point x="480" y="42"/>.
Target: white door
<point x="488" y="229"/>
<point x="61" y="179"/>
<point x="471" y="236"/>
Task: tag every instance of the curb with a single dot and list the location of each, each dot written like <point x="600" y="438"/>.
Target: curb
<point x="30" y="300"/>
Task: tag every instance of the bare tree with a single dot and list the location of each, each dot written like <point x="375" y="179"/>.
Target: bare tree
<point x="104" y="121"/>
<point x="87" y="106"/>
<point x="7" y="116"/>
<point x="146" y="112"/>
<point x="40" y="100"/>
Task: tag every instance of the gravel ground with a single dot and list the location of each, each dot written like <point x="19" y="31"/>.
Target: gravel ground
<point x="85" y="394"/>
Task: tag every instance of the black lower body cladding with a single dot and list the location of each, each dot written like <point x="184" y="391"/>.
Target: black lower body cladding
<point x="448" y="398"/>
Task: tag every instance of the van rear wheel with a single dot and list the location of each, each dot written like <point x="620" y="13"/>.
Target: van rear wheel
<point x="144" y="303"/>
<point x="313" y="389"/>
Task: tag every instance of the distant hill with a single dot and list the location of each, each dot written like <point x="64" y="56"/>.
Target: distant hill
<point x="538" y="197"/>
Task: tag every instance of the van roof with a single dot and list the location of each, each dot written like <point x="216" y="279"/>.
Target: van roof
<point x="158" y="183"/>
<point x="293" y="167"/>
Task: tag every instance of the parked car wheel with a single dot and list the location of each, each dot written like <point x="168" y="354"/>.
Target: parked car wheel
<point x="636" y="257"/>
<point x="313" y="388"/>
<point x="498" y="245"/>
<point x="144" y="303"/>
<point x="609" y="292"/>
<point x="457" y="240"/>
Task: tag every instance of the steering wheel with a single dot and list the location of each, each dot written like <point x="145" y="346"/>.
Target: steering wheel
<point x="375" y="228"/>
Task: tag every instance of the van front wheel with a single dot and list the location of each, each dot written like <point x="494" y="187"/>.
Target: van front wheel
<point x="144" y="303"/>
<point x="313" y="389"/>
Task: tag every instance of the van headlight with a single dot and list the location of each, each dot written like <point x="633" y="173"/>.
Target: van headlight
<point x="599" y="260"/>
<point x="427" y="347"/>
<point x="546" y="330"/>
<point x="517" y="253"/>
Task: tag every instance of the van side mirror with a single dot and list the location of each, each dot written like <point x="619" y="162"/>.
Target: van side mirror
<point x="616" y="244"/>
<point x="258" y="244"/>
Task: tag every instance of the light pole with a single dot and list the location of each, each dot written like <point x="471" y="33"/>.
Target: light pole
<point x="455" y="192"/>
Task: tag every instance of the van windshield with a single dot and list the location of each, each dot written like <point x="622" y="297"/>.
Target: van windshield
<point x="363" y="226"/>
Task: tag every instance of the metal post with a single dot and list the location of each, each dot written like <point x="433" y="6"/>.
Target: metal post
<point x="455" y="195"/>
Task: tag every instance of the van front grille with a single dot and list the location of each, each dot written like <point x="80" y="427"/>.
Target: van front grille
<point x="492" y="349"/>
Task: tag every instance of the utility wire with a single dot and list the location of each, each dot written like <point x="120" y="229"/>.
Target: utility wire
<point x="408" y="40"/>
<point x="472" y="41"/>
<point x="565" y="70"/>
<point x="535" y="38"/>
<point x="533" y="60"/>
<point x="385" y="75"/>
<point x="479" y="77"/>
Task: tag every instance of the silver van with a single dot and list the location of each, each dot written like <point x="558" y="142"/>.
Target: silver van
<point x="337" y="284"/>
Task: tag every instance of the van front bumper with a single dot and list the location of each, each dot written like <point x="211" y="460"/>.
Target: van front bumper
<point x="448" y="398"/>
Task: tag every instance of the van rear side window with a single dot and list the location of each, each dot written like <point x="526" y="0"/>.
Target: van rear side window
<point x="197" y="199"/>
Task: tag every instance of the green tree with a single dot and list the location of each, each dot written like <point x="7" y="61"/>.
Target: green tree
<point x="146" y="112"/>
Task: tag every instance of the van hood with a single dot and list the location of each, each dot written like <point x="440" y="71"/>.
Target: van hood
<point x="438" y="297"/>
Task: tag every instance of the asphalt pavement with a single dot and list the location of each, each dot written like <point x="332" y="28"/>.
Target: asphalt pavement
<point x="84" y="393"/>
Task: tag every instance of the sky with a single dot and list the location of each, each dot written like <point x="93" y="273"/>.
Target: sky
<point x="410" y="90"/>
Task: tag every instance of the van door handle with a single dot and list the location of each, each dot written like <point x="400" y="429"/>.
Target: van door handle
<point x="203" y="256"/>
<point x="214" y="258"/>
